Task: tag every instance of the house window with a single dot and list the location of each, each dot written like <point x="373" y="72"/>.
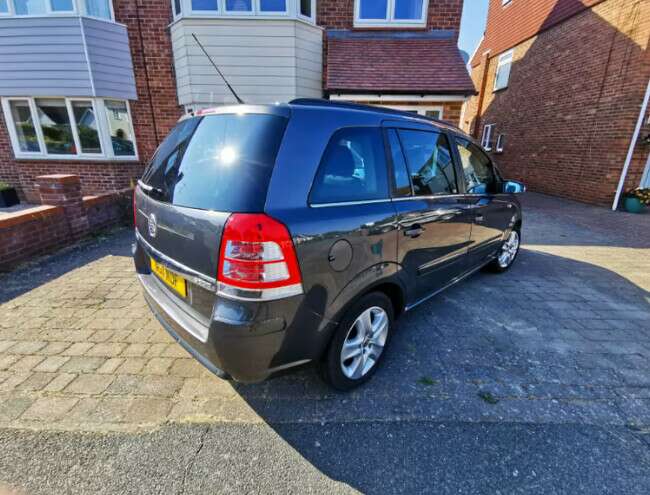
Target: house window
<point x="55" y="125"/>
<point x="500" y="143"/>
<point x="503" y="71"/>
<point x="306" y="8"/>
<point x="505" y="2"/>
<point x="486" y="140"/>
<point x="102" y="9"/>
<point x="239" y="5"/>
<point x="392" y="13"/>
<point x="30" y="7"/>
<point x="73" y="128"/>
<point x="199" y="5"/>
<point x="86" y="123"/>
<point x="273" y="5"/>
<point x="62" y="5"/>
<point x="120" y="128"/>
<point x="228" y="8"/>
<point x="24" y="127"/>
<point x="435" y="112"/>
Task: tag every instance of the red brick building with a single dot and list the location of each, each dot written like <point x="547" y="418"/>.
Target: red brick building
<point x="92" y="86"/>
<point x="109" y="63"/>
<point x="562" y="85"/>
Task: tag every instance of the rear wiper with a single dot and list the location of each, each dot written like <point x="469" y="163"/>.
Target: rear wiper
<point x="148" y="189"/>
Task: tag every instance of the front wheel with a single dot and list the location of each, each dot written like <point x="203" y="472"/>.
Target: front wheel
<point x="507" y="254"/>
<point x="359" y="342"/>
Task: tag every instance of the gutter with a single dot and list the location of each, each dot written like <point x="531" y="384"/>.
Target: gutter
<point x="630" y="151"/>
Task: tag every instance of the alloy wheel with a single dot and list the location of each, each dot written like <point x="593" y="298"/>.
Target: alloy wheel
<point x="509" y="250"/>
<point x="364" y="343"/>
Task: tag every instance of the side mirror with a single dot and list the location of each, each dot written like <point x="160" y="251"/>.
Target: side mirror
<point x="513" y="187"/>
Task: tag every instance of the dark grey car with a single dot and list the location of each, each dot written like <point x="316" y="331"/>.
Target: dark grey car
<point x="269" y="237"/>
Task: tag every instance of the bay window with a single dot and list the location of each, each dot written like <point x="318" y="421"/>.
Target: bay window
<point x="391" y="13"/>
<point x="70" y="128"/>
<point x="102" y="9"/>
<point x="218" y="8"/>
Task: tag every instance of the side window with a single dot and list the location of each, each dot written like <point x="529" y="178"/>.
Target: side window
<point x="429" y="160"/>
<point x="402" y="186"/>
<point x="353" y="168"/>
<point x="480" y="177"/>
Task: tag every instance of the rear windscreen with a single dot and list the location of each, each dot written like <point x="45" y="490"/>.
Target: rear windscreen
<point x="217" y="162"/>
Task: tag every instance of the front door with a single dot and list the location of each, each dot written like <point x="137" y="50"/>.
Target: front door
<point x="434" y="227"/>
<point x="490" y="210"/>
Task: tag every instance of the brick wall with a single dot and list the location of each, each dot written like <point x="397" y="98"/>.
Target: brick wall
<point x="154" y="113"/>
<point x="64" y="217"/>
<point x="339" y="14"/>
<point x="571" y="106"/>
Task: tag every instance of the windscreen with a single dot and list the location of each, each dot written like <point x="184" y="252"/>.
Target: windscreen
<point x="217" y="162"/>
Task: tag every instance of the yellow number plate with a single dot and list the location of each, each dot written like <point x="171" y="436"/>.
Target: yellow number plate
<point x="176" y="282"/>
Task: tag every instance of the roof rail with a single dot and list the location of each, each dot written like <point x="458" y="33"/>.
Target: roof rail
<point x="367" y="108"/>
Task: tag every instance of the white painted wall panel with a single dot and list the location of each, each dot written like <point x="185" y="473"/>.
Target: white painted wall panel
<point x="264" y="60"/>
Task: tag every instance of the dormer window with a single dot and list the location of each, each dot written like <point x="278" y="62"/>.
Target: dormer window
<point x="390" y="13"/>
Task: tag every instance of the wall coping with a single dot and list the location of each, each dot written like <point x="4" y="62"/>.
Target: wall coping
<point x="60" y="178"/>
<point x="24" y="216"/>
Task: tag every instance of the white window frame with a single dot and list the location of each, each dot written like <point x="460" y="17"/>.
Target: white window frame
<point x="389" y="20"/>
<point x="505" y="58"/>
<point x="486" y="139"/>
<point x="78" y="9"/>
<point x="421" y="109"/>
<point x="102" y="128"/>
<point x="9" y="10"/>
<point x="292" y="9"/>
<point x="499" y="146"/>
<point x="299" y="14"/>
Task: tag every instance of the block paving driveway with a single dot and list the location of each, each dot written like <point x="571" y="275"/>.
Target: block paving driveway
<point x="561" y="342"/>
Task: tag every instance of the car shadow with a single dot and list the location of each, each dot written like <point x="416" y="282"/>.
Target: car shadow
<point x="476" y="379"/>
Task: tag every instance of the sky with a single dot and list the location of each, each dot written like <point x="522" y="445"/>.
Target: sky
<point x="473" y="24"/>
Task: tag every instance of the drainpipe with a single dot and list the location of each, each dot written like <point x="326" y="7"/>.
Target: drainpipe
<point x="630" y="151"/>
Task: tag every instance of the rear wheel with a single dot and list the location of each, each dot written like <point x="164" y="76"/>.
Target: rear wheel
<point x="358" y="345"/>
<point x="507" y="254"/>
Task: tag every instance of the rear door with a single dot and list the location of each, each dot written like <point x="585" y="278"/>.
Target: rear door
<point x="490" y="211"/>
<point x="434" y="228"/>
<point x="207" y="168"/>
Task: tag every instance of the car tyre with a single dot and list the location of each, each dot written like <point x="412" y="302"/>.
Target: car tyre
<point x="359" y="343"/>
<point x="507" y="254"/>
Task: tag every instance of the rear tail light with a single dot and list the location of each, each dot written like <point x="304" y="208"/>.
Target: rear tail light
<point x="258" y="259"/>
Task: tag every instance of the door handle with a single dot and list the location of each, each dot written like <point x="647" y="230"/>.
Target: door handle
<point x="414" y="231"/>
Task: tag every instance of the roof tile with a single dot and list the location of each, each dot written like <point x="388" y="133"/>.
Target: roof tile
<point x="412" y="66"/>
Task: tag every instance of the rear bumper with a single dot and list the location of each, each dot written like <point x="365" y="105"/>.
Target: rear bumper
<point x="246" y="341"/>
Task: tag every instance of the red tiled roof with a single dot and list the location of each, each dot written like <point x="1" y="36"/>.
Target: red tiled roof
<point x="411" y="66"/>
<point x="508" y="25"/>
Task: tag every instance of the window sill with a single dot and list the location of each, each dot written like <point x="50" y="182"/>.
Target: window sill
<point x="82" y="159"/>
<point x="390" y="25"/>
<point x="245" y="17"/>
<point x="499" y="90"/>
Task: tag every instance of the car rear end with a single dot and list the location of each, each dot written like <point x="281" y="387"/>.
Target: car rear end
<point x="219" y="274"/>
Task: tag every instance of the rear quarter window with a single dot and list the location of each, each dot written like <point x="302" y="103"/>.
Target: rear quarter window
<point x="218" y="162"/>
<point x="353" y="168"/>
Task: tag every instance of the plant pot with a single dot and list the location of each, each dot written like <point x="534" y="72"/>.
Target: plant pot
<point x="633" y="205"/>
<point x="8" y="197"/>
